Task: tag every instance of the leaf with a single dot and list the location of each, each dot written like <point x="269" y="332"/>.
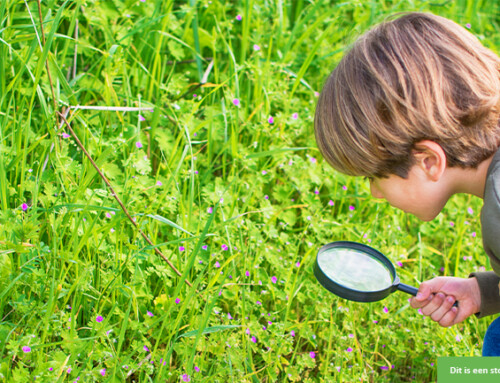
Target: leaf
<point x="208" y="330"/>
<point x="168" y="222"/>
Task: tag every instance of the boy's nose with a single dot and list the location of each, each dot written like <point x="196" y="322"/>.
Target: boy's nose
<point x="375" y="192"/>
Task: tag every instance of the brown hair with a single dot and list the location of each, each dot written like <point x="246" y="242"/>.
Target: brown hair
<point x="416" y="77"/>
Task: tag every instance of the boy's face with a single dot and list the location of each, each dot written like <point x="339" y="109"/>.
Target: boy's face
<point x="418" y="194"/>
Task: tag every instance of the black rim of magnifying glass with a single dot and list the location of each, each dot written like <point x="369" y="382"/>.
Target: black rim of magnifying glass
<point x="351" y="294"/>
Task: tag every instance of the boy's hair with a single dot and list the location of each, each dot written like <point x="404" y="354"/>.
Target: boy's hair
<point x="417" y="77"/>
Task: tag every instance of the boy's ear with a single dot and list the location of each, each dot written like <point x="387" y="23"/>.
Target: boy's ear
<point x="431" y="158"/>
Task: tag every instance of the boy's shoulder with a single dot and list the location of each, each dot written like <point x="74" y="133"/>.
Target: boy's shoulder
<point x="490" y="213"/>
<point x="493" y="179"/>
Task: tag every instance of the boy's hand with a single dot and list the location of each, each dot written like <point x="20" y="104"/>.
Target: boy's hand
<point x="436" y="297"/>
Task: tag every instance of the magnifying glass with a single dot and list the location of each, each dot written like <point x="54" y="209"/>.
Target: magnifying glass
<point x="357" y="272"/>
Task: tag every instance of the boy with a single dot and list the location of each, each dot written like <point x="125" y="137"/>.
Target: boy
<point x="414" y="106"/>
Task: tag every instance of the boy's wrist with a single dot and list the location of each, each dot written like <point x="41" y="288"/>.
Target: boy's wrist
<point x="475" y="293"/>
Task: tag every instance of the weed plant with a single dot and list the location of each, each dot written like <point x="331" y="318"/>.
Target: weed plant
<point x="200" y="116"/>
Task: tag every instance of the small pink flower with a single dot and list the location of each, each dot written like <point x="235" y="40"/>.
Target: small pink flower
<point x="473" y="234"/>
<point x="468" y="26"/>
<point x="224" y="247"/>
<point x="204" y="247"/>
<point x="158" y="183"/>
<point x="256" y="47"/>
<point x="312" y="354"/>
<point x="247" y="273"/>
<point x="247" y="331"/>
<point x="149" y="314"/>
<point x="295" y="116"/>
<point x="138" y="144"/>
<point x="470" y="211"/>
<point x="197" y="369"/>
<point x="99" y="319"/>
<point x="103" y="372"/>
<point x="351" y="207"/>
<point x="146" y="348"/>
<point x="177" y="301"/>
<point x="236" y="102"/>
<point x="182" y="248"/>
<point x="65" y="135"/>
<point x="238" y="17"/>
<point x="270" y="120"/>
<point x="264" y="172"/>
<point x="24" y="206"/>
<point x="386" y="310"/>
<point x="274" y="279"/>
<point x="399" y="263"/>
<point x="266" y="197"/>
<point x="141" y="118"/>
<point x="349" y="349"/>
<point x="217" y="264"/>
<point x="297" y="264"/>
<point x="26" y="349"/>
<point x="331" y="203"/>
<point x="292" y="333"/>
<point x="254" y="339"/>
<point x="313" y="160"/>
<point x="351" y="335"/>
<point x="210" y="210"/>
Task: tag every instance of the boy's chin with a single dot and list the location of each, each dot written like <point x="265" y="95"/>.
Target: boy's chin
<point x="426" y="217"/>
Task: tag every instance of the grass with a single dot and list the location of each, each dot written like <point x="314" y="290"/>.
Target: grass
<point x="237" y="204"/>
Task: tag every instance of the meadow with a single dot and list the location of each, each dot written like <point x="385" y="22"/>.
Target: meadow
<point x="162" y="198"/>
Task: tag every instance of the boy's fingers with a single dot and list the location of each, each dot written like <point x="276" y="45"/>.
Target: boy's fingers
<point x="419" y="304"/>
<point x="443" y="309"/>
<point x="433" y="305"/>
<point x="423" y="292"/>
<point x="449" y="318"/>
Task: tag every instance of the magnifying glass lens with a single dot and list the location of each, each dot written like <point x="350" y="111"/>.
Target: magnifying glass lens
<point x="355" y="269"/>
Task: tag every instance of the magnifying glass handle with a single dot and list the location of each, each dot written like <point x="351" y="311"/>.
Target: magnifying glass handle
<point x="413" y="291"/>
